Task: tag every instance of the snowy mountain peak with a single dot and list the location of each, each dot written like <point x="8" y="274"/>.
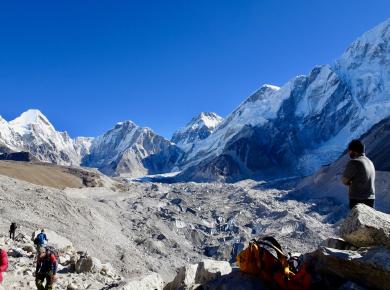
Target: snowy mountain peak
<point x="31" y="117"/>
<point x="199" y="128"/>
<point x="373" y="45"/>
<point x="127" y="123"/>
<point x="272" y="87"/>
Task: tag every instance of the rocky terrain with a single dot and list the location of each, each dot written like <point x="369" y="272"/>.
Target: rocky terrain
<point x="145" y="229"/>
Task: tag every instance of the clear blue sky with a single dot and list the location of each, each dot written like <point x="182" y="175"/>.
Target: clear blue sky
<point x="89" y="64"/>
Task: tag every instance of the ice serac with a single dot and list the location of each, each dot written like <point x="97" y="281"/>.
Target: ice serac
<point x="199" y="128"/>
<point x="132" y="151"/>
<point x="295" y="129"/>
<point x="32" y="132"/>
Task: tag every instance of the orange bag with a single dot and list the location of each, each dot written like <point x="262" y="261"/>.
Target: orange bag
<point x="266" y="259"/>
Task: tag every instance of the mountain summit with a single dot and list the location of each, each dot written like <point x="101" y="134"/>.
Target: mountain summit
<point x="198" y="128"/>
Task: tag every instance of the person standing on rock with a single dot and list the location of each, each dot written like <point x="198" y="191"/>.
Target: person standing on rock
<point x="46" y="270"/>
<point x="359" y="175"/>
<point x="12" y="230"/>
<point x="3" y="265"/>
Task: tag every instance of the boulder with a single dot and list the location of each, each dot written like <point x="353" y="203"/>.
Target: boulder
<point x="236" y="280"/>
<point x="152" y="281"/>
<point x="88" y="264"/>
<point x="338" y="243"/>
<point x="185" y="277"/>
<point x="205" y="271"/>
<point x="366" y="266"/>
<point x="364" y="226"/>
<point x="209" y="270"/>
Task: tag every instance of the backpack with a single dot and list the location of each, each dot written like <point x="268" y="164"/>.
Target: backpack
<point x="40" y="239"/>
<point x="264" y="258"/>
<point x="53" y="251"/>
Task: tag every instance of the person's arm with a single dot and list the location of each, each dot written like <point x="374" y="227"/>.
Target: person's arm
<point x="4" y="261"/>
<point x="38" y="266"/>
<point x="349" y="173"/>
<point x="46" y="238"/>
<point x="53" y="265"/>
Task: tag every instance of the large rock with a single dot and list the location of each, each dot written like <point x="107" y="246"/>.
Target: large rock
<point x="152" y="281"/>
<point x="235" y="281"/>
<point x="88" y="264"/>
<point x="367" y="266"/>
<point x="205" y="271"/>
<point x="365" y="226"/>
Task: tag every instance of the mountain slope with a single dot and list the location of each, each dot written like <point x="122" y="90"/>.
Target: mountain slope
<point x="131" y="151"/>
<point x="199" y="128"/>
<point x="295" y="129"/>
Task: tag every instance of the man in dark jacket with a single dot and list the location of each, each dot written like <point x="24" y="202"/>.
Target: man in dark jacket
<point x="46" y="270"/>
<point x="12" y="230"/>
<point x="359" y="175"/>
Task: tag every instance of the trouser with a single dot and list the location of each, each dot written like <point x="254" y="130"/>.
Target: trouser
<point x="40" y="279"/>
<point x="353" y="202"/>
<point x="12" y="235"/>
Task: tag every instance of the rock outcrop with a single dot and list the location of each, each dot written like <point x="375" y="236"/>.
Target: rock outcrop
<point x="191" y="276"/>
<point x="368" y="266"/>
<point x="365" y="227"/>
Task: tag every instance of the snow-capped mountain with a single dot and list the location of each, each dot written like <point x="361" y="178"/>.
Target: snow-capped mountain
<point x="132" y="151"/>
<point x="33" y="132"/>
<point x="82" y="145"/>
<point x="198" y="128"/>
<point x="306" y="123"/>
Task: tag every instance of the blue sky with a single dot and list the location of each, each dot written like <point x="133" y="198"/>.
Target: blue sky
<point x="89" y="64"/>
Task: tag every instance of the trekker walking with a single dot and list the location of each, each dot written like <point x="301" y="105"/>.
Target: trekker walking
<point x="12" y="230"/>
<point x="40" y="240"/>
<point x="3" y="265"/>
<point x="359" y="175"/>
<point x="46" y="270"/>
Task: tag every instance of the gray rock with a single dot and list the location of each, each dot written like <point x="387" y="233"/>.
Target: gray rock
<point x="365" y="227"/>
<point x="191" y="275"/>
<point x="368" y="266"/>
<point x="235" y="281"/>
<point x="338" y="243"/>
<point x="88" y="264"/>
<point x="152" y="281"/>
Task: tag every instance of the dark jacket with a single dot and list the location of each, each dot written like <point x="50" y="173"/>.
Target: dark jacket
<point x="46" y="265"/>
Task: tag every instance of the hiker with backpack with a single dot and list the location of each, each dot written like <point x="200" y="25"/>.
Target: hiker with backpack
<point x="359" y="175"/>
<point x="3" y="264"/>
<point x="46" y="269"/>
<point x="40" y="240"/>
<point x="12" y="230"/>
